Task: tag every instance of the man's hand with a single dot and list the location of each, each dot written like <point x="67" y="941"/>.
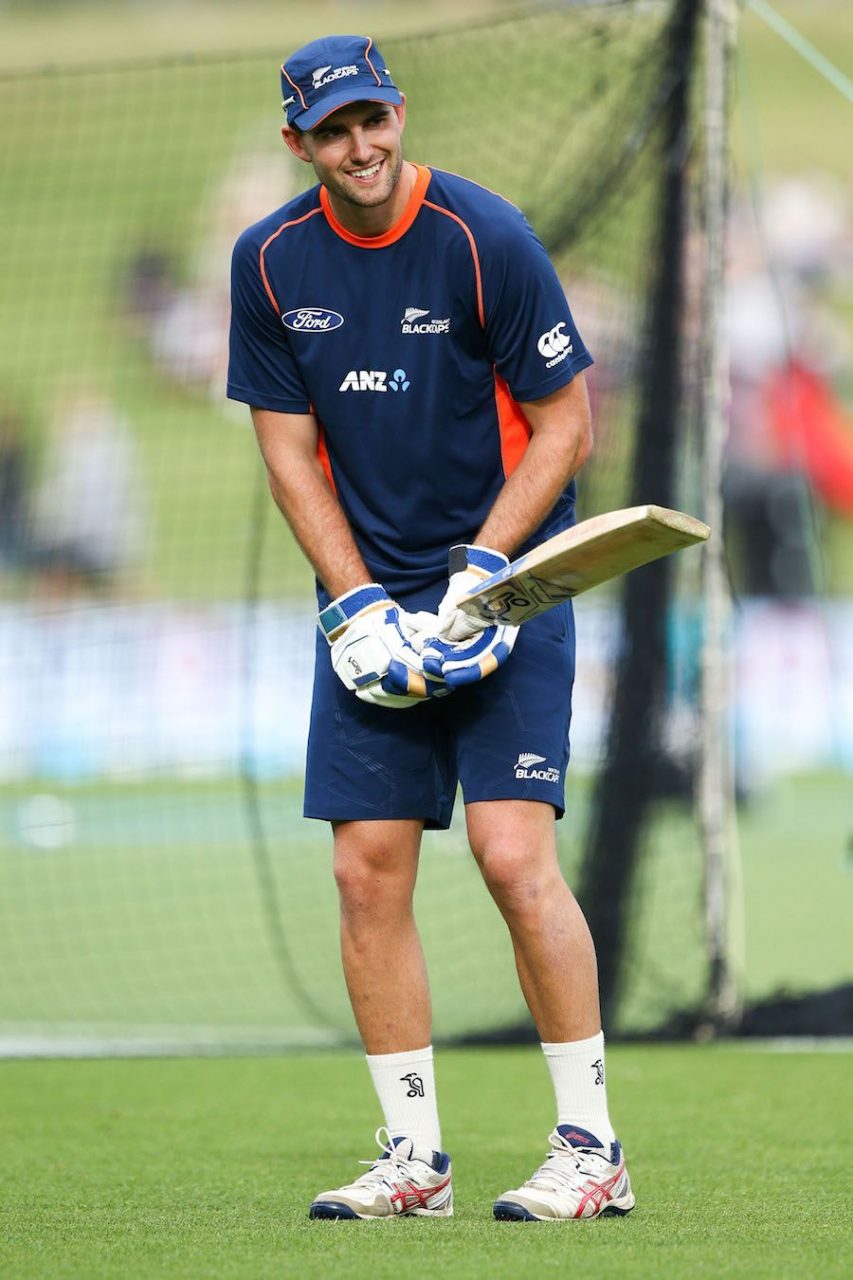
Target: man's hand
<point x="467" y="649"/>
<point x="371" y="652"/>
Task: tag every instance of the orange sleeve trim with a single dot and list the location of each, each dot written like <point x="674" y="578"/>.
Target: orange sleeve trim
<point x="369" y="40"/>
<point x="295" y="86"/>
<point x="481" y="311"/>
<point x="514" y="428"/>
<point x="323" y="458"/>
<point x="294" y="222"/>
<point x="400" y="227"/>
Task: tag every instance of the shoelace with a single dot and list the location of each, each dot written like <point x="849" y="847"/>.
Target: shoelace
<point x="561" y="1167"/>
<point x="380" y="1170"/>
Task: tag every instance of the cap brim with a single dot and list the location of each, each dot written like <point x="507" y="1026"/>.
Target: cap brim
<point x="308" y="119"/>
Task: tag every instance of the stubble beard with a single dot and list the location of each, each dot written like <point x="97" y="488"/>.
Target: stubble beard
<point x="370" y="197"/>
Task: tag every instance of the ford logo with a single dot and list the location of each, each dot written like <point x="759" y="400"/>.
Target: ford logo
<point x="312" y="320"/>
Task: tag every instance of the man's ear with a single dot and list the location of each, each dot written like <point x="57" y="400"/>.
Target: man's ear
<point x="295" y="142"/>
<point x="400" y="112"/>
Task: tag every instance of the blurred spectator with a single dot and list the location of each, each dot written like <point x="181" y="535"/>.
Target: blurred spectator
<point x="789" y="438"/>
<point x="89" y="507"/>
<point x="150" y="285"/>
<point x="185" y="323"/>
<point x="14" y="487"/>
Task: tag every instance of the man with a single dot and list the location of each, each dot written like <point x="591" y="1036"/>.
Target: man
<point x="416" y="384"/>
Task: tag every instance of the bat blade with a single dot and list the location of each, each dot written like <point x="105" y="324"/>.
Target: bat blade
<point x="580" y="558"/>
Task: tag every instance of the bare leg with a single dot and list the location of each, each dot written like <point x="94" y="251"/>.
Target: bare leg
<point x="376" y="866"/>
<point x="514" y="842"/>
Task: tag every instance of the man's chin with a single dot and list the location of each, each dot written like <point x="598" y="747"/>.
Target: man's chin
<point x="367" y="197"/>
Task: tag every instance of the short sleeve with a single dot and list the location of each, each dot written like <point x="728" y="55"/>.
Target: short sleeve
<point x="262" y="370"/>
<point x="530" y="332"/>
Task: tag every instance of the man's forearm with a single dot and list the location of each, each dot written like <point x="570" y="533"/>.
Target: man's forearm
<point x="558" y="448"/>
<point x="319" y="525"/>
<point x="526" y="499"/>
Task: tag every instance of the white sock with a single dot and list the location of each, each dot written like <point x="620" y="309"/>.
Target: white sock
<point x="577" y="1070"/>
<point x="405" y="1085"/>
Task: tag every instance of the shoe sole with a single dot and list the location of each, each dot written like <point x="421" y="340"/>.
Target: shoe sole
<point x="331" y="1209"/>
<point x="508" y="1211"/>
<point x="336" y="1210"/>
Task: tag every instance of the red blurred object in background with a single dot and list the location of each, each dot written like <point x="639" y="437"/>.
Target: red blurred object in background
<point x="813" y="431"/>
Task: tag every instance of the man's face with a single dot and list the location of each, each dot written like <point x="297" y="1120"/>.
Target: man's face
<point x="356" y="152"/>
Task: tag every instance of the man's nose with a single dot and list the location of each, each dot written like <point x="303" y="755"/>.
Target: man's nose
<point x="359" y="145"/>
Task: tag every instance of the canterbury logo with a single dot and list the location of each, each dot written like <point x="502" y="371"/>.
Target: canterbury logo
<point x="527" y="758"/>
<point x="554" y="345"/>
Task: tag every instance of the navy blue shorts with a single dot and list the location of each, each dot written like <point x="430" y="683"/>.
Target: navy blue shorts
<point x="504" y="738"/>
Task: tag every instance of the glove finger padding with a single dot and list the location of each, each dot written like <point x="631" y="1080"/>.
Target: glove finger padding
<point x="402" y="687"/>
<point x="370" y="652"/>
<point x="471" y="660"/>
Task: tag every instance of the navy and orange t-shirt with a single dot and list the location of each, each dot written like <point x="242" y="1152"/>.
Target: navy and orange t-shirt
<point x="412" y="349"/>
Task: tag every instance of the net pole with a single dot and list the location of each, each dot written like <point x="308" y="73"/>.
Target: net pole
<point x="716" y="791"/>
<point x="632" y="778"/>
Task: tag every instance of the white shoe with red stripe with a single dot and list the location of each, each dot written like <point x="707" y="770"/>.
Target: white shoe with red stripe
<point x="404" y="1182"/>
<point x="579" y="1179"/>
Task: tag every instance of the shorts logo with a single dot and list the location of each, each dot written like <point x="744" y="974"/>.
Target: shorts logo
<point x="375" y="380"/>
<point x="554" y="345"/>
<point x="524" y="768"/>
<point x="411" y="317"/>
<point x="319" y="76"/>
<point x="312" y="320"/>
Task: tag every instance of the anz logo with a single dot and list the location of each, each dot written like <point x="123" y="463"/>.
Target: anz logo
<point x="375" y="380"/>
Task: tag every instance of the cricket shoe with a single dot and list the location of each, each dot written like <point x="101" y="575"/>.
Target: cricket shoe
<point x="406" y="1181"/>
<point x="579" y="1179"/>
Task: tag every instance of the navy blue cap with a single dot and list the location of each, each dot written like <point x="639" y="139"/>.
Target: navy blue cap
<point x="330" y="73"/>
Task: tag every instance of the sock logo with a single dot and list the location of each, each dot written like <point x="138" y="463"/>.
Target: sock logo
<point x="598" y="1068"/>
<point x="415" y="1083"/>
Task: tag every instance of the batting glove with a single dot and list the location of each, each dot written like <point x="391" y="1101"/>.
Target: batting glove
<point x="467" y="649"/>
<point x="470" y="660"/>
<point x="371" y="653"/>
<point x="468" y="567"/>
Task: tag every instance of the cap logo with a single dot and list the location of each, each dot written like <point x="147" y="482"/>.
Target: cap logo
<point x="325" y="75"/>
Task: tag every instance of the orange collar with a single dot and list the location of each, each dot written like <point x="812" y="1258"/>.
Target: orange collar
<point x="394" y="232"/>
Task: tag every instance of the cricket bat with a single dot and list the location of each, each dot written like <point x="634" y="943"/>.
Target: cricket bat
<point x="579" y="558"/>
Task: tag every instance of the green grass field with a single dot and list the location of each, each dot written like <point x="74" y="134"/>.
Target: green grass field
<point x="206" y="1168"/>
